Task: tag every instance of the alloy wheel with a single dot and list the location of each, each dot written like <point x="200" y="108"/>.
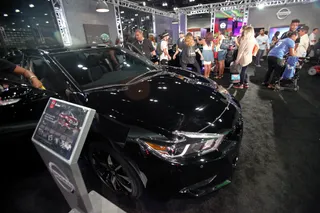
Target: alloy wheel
<point x="111" y="172"/>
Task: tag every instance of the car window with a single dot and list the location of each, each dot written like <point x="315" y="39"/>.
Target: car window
<point x="99" y="67"/>
<point x="51" y="80"/>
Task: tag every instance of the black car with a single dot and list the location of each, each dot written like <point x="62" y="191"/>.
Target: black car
<point x="156" y="127"/>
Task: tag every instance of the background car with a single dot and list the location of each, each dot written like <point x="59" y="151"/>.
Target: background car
<point x="155" y="127"/>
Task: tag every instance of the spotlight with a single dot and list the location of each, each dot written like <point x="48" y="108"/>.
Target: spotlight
<point x="5" y="15"/>
<point x="102" y="7"/>
<point x="47" y="22"/>
<point x="37" y="24"/>
<point x="46" y="14"/>
<point x="31" y="5"/>
<point x="28" y="26"/>
<point x="14" y="29"/>
<point x="13" y="23"/>
<point x="136" y="14"/>
<point x="191" y="0"/>
<point x="164" y="4"/>
<point x="144" y="3"/>
<point x="17" y="11"/>
<point x="22" y="20"/>
<point x="260" y="6"/>
<point x="122" y="12"/>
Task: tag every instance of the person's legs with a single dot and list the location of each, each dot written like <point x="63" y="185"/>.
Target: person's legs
<point x="197" y="66"/>
<point x="272" y="62"/>
<point x="183" y="66"/>
<point x="277" y="73"/>
<point x="258" y="57"/>
<point x="243" y="75"/>
<point x="209" y="69"/>
<point x="221" y="67"/>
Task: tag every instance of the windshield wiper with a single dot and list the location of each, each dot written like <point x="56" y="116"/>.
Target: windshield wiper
<point x="142" y="78"/>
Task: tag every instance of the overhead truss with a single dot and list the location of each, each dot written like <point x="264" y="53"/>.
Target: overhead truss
<point x="237" y="4"/>
<point x="136" y="6"/>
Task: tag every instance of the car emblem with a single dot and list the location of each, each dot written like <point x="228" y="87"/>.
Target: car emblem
<point x="61" y="178"/>
<point x="283" y="13"/>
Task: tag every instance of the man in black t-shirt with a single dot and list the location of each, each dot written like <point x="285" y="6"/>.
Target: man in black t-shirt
<point x="144" y="45"/>
<point x="293" y="27"/>
<point x="8" y="67"/>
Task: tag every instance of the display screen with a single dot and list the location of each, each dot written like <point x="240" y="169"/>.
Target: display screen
<point x="273" y="31"/>
<point x="59" y="127"/>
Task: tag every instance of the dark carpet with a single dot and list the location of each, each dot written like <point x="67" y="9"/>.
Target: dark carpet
<point x="279" y="168"/>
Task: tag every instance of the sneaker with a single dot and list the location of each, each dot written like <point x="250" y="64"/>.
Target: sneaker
<point x="238" y="86"/>
<point x="246" y="86"/>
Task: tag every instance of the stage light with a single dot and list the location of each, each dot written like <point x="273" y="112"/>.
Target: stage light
<point x="144" y="3"/>
<point x="47" y="22"/>
<point x="17" y="11"/>
<point x="46" y="14"/>
<point x="164" y="4"/>
<point x="122" y="12"/>
<point x="28" y="26"/>
<point x="5" y="15"/>
<point x="191" y="0"/>
<point x="261" y="6"/>
<point x="102" y="7"/>
<point x="31" y="5"/>
<point x="37" y="24"/>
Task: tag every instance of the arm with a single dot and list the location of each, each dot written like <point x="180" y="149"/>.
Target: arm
<point x="199" y="52"/>
<point x="292" y="52"/>
<point x="29" y="75"/>
<point x="165" y="51"/>
<point x="176" y="53"/>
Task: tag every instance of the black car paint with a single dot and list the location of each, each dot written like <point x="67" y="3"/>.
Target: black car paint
<point x="155" y="104"/>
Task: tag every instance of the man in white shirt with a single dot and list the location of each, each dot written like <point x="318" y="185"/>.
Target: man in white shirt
<point x="263" y="43"/>
<point x="304" y="42"/>
<point x="164" y="57"/>
<point x="313" y="39"/>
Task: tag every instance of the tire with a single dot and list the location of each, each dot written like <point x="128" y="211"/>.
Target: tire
<point x="312" y="71"/>
<point x="115" y="173"/>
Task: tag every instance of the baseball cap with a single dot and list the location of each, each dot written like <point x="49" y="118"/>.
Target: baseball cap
<point x="164" y="35"/>
<point x="304" y="28"/>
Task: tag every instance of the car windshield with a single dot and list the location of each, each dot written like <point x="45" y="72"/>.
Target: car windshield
<point x="103" y="66"/>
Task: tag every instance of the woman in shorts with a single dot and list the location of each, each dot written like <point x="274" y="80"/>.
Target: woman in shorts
<point x="208" y="53"/>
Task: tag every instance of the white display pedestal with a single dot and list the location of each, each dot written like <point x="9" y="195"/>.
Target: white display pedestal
<point x="101" y="204"/>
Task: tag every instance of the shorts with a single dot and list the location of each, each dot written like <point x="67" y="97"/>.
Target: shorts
<point x="222" y="55"/>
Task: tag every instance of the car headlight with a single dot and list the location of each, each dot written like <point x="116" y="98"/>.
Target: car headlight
<point x="195" y="144"/>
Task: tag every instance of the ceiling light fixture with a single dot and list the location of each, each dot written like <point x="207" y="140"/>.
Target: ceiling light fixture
<point x="47" y="22"/>
<point x="191" y="0"/>
<point x="14" y="29"/>
<point x="136" y="14"/>
<point x="17" y="11"/>
<point x="22" y="20"/>
<point x="37" y="24"/>
<point x="144" y="3"/>
<point x="46" y="14"/>
<point x="164" y="4"/>
<point x="122" y="12"/>
<point x="102" y="7"/>
<point x="31" y="5"/>
<point x="28" y="26"/>
<point x="261" y="6"/>
<point x="5" y="15"/>
<point x="13" y="23"/>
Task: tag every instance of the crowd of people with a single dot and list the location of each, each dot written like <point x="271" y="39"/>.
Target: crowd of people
<point x="250" y="48"/>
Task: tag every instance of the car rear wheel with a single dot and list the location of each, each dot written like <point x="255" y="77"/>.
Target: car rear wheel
<point x="312" y="71"/>
<point x="114" y="171"/>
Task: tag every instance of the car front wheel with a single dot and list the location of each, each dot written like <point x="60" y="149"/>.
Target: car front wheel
<point x="114" y="171"/>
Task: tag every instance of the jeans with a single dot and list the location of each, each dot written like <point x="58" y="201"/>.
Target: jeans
<point x="244" y="75"/>
<point x="195" y="65"/>
<point x="258" y="57"/>
<point x="275" y="68"/>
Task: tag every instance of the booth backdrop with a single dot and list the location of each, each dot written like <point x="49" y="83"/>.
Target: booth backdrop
<point x="80" y="12"/>
<point x="266" y="18"/>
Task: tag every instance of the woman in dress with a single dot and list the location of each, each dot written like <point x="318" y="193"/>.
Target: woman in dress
<point x="208" y="53"/>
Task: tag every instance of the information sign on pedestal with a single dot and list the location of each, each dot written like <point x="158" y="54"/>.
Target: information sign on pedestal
<point x="59" y="138"/>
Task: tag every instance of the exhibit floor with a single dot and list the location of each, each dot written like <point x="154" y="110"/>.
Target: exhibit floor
<point x="278" y="170"/>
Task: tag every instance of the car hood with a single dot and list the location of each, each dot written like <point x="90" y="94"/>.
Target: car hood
<point x="167" y="100"/>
